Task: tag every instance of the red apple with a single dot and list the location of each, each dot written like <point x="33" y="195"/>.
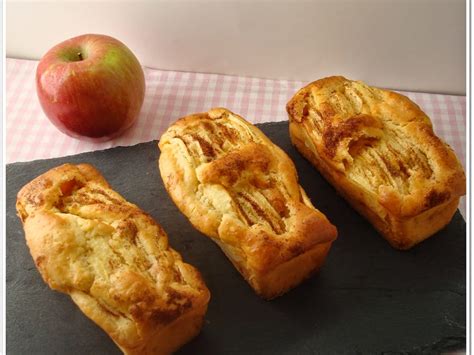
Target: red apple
<point x="91" y="87"/>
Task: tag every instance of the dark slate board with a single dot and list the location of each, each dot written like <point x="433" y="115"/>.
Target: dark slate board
<point x="368" y="298"/>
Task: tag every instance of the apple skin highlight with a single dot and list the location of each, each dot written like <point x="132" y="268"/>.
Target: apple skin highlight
<point x="91" y="87"/>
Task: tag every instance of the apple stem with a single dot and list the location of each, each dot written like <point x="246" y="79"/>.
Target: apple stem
<point x="79" y="55"/>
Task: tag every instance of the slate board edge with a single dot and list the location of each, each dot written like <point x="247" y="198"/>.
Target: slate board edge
<point x="264" y="124"/>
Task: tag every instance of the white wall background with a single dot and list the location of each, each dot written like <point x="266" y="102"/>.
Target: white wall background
<point x="416" y="45"/>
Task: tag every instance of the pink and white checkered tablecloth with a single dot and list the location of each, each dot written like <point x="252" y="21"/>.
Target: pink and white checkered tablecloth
<point x="170" y="95"/>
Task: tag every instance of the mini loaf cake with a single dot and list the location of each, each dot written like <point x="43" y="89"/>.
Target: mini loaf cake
<point x="242" y="191"/>
<point x="378" y="149"/>
<point x="112" y="259"/>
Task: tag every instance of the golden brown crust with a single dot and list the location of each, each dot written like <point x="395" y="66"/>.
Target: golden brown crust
<point x="240" y="189"/>
<point x="112" y="259"/>
<point x="379" y="150"/>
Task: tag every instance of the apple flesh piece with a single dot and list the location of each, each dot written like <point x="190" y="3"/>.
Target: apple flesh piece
<point x="91" y="87"/>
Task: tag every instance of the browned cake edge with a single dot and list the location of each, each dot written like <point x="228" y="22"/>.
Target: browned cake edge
<point x="168" y="340"/>
<point x="285" y="276"/>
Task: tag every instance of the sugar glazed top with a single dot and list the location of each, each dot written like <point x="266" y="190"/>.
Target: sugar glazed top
<point x="108" y="255"/>
<point x="239" y="188"/>
<point x="381" y="141"/>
